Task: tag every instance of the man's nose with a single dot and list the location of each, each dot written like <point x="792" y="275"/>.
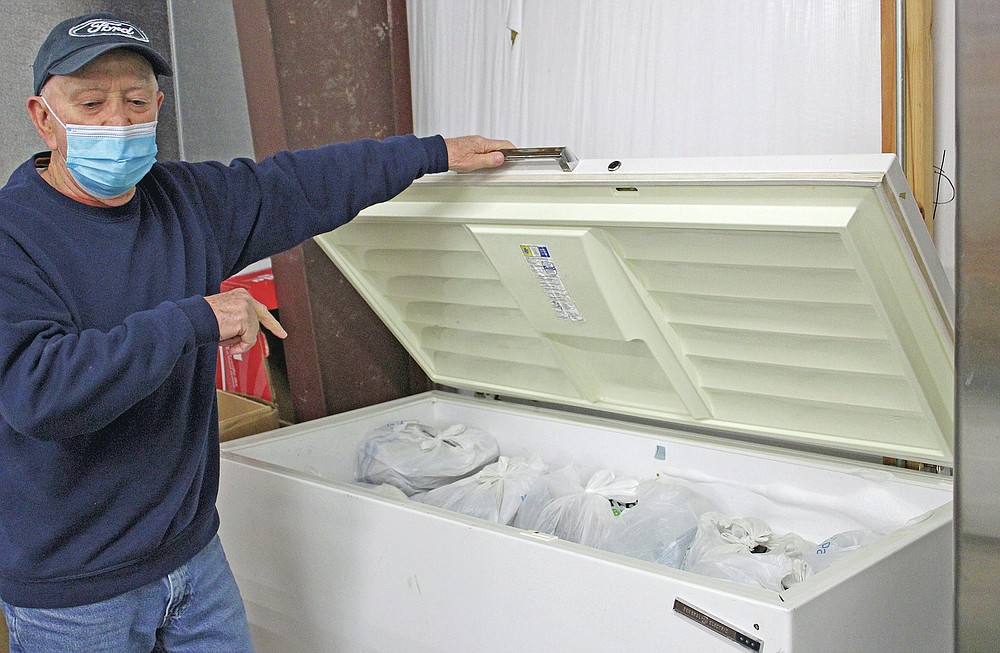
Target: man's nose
<point x="116" y="115"/>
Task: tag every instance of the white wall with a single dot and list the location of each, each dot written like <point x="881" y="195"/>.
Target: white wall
<point x="652" y="77"/>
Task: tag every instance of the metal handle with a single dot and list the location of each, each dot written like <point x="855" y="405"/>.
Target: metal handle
<point x="567" y="161"/>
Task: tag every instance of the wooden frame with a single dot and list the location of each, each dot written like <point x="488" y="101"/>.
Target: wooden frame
<point x="918" y="102"/>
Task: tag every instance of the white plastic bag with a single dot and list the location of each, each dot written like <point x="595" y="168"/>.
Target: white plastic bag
<point x="662" y="525"/>
<point x="415" y="457"/>
<point x="561" y="506"/>
<point x="494" y="493"/>
<point x="837" y="546"/>
<point x="747" y="551"/>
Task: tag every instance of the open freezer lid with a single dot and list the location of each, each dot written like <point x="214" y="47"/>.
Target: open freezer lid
<point x="794" y="299"/>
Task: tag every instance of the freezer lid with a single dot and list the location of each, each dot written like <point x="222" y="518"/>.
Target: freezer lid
<point x="795" y="299"/>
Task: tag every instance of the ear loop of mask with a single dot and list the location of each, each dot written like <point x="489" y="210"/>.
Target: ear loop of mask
<point x="121" y="131"/>
<point x="49" y="107"/>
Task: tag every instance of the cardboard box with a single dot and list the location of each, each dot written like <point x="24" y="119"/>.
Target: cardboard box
<point x="240" y="416"/>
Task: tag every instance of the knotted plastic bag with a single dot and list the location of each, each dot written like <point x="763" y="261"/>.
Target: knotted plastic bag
<point x="747" y="551"/>
<point x="415" y="457"/>
<point x="662" y="525"/>
<point x="560" y="505"/>
<point x="494" y="493"/>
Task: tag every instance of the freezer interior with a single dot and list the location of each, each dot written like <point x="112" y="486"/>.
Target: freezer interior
<point x="814" y="496"/>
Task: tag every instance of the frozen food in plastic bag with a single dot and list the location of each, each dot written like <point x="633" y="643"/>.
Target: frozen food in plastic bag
<point x="662" y="525"/>
<point x="837" y="546"/>
<point x="415" y="457"/>
<point x="494" y="493"/>
<point x="560" y="505"/>
<point x="747" y="551"/>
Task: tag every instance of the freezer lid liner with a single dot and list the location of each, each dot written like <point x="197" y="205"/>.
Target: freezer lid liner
<point x="796" y="299"/>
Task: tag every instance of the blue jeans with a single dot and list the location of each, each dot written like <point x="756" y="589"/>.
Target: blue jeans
<point x="195" y="609"/>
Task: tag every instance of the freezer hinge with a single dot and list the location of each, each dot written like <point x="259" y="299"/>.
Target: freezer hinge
<point x="927" y="468"/>
<point x="465" y="392"/>
<point x="718" y="627"/>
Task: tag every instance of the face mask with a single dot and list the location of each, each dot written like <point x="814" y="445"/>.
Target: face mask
<point x="107" y="161"/>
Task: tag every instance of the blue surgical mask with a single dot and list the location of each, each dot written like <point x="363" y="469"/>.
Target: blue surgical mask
<point x="106" y="160"/>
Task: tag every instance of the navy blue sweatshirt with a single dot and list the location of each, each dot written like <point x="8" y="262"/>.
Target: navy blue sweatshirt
<point x="109" y="449"/>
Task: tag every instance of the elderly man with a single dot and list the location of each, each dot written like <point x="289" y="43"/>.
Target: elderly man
<point x="110" y="315"/>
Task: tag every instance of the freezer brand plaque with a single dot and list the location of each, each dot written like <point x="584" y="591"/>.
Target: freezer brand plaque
<point x="717" y="627"/>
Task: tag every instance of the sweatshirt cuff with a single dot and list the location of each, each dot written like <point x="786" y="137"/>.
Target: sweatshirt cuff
<point x="202" y="318"/>
<point x="437" y="153"/>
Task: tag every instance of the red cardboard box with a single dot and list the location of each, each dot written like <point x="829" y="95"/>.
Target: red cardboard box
<point x="246" y="374"/>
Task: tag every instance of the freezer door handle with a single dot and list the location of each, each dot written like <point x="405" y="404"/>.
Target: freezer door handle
<point x="566" y="159"/>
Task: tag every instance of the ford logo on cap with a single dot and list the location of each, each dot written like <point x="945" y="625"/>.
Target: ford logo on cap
<point x="105" y="27"/>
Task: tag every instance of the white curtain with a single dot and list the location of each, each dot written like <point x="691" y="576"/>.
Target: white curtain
<point x="651" y="78"/>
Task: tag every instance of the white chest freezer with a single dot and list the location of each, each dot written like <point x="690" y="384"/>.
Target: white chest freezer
<point x="772" y="328"/>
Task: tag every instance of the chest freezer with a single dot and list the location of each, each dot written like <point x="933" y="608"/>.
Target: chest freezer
<point x="773" y="329"/>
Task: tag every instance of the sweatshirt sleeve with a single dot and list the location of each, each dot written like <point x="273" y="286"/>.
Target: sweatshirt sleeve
<point x="268" y="207"/>
<point x="57" y="381"/>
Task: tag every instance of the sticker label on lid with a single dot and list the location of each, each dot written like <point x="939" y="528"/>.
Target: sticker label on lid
<point x="544" y="269"/>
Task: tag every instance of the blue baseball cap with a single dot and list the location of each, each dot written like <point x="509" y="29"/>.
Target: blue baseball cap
<point x="74" y="43"/>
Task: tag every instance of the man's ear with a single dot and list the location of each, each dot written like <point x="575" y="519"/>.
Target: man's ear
<point x="43" y="120"/>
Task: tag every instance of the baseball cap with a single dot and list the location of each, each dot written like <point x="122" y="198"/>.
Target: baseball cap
<point x="74" y="43"/>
